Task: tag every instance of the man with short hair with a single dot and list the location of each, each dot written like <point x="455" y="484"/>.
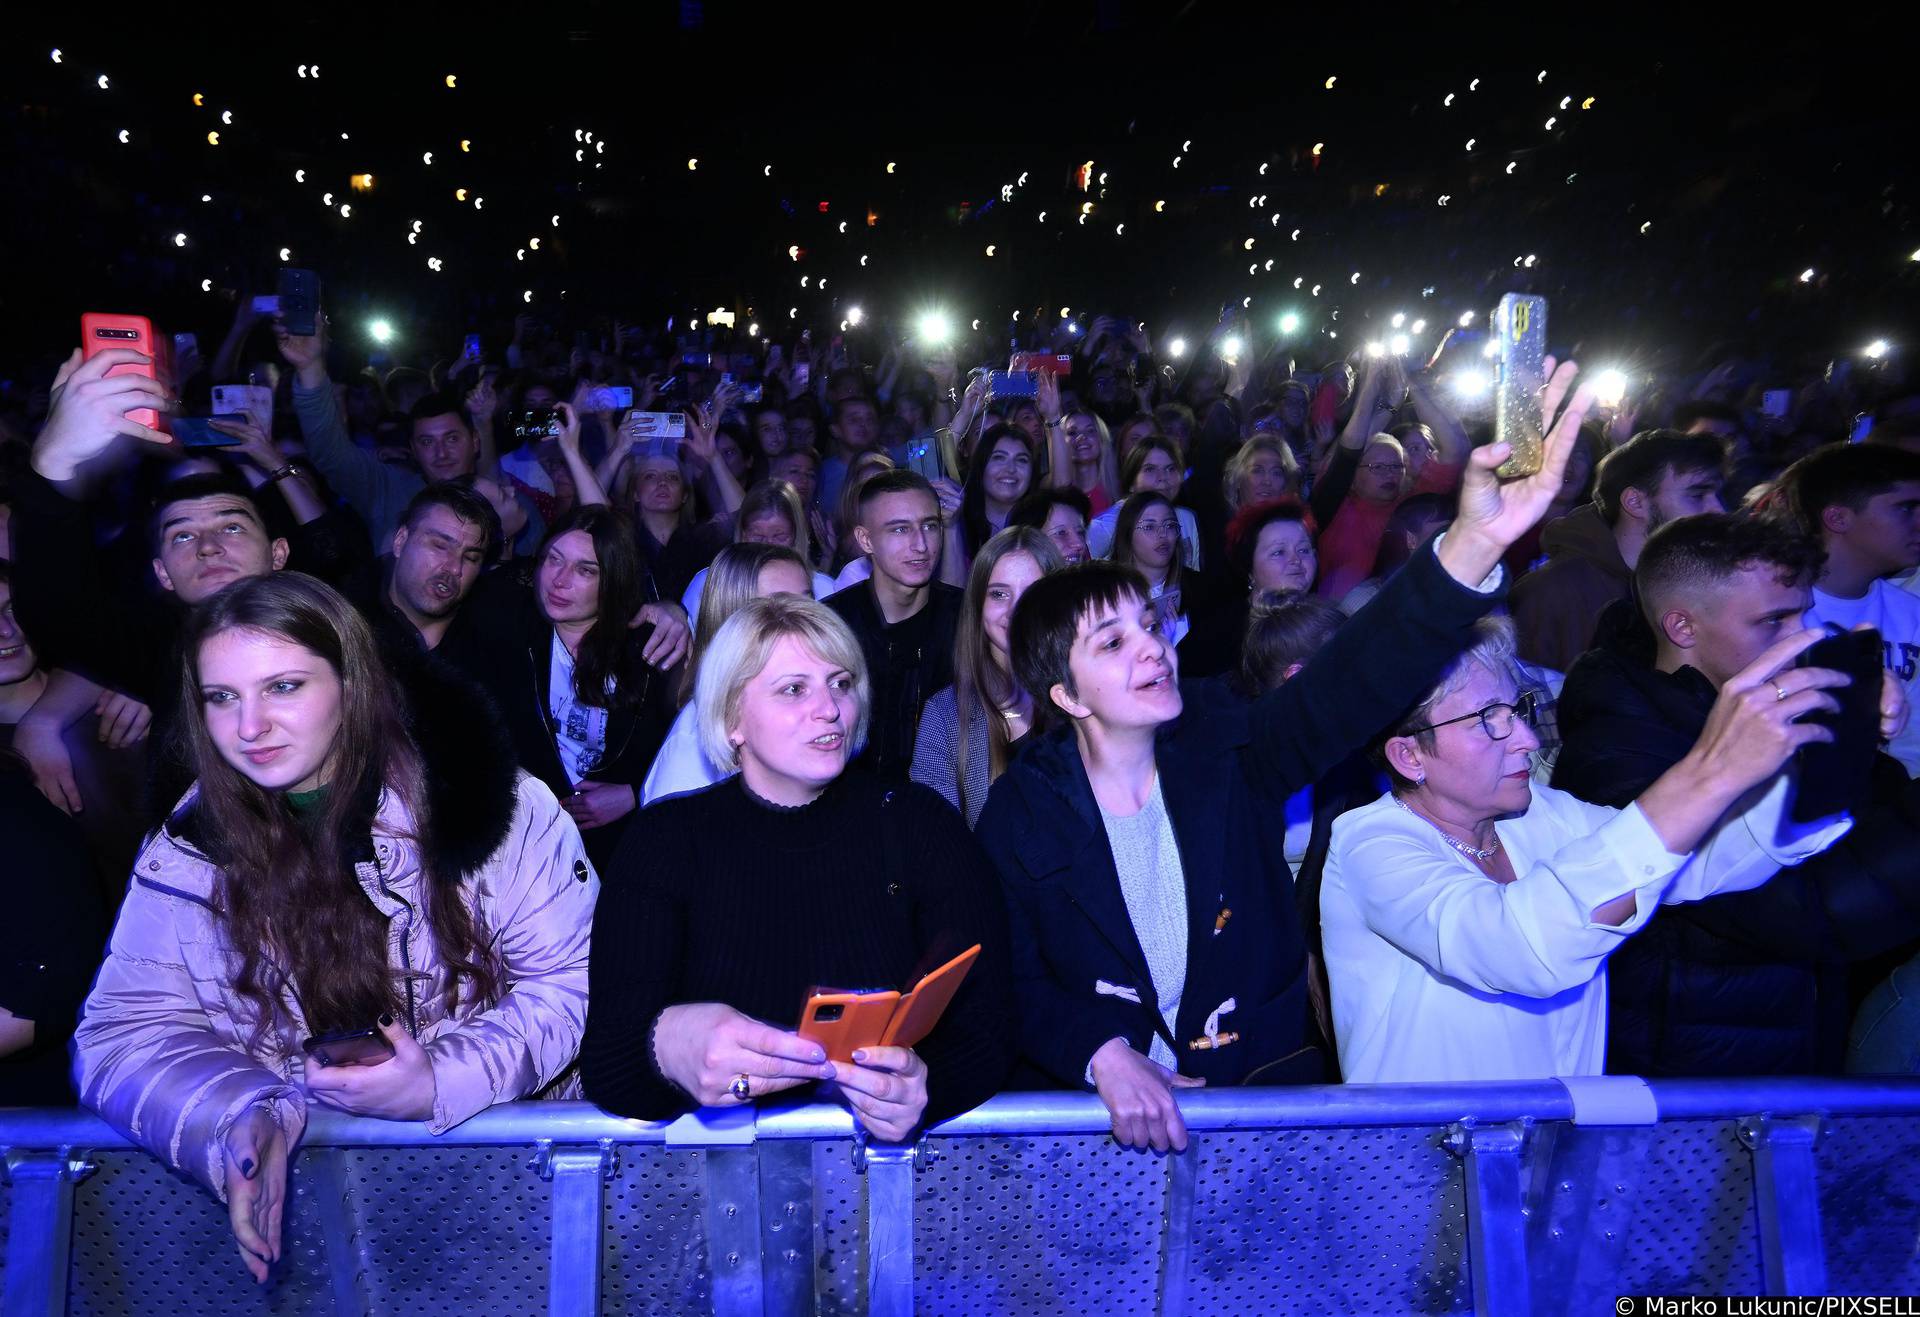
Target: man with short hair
<point x="1863" y="501"/>
<point x="1156" y="941"/>
<point x="1651" y="479"/>
<point x="1752" y="982"/>
<point x="443" y="444"/>
<point x="904" y="618"/>
<point x="447" y="536"/>
<point x="855" y="429"/>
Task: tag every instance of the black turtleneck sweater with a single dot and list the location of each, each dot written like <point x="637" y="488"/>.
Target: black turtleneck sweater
<point x="721" y="896"/>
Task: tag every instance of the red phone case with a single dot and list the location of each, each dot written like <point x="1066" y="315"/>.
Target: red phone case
<point x="863" y="1019"/>
<point x="101" y="330"/>
<point x="922" y="1008"/>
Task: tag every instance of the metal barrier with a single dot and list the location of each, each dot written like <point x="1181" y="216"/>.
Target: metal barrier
<point x="1492" y="1198"/>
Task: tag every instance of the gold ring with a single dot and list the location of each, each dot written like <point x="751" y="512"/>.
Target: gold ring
<point x="741" y="1088"/>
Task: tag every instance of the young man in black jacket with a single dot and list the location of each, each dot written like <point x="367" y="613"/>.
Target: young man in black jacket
<point x="904" y="619"/>
<point x="1752" y="982"/>
<point x="1155" y="940"/>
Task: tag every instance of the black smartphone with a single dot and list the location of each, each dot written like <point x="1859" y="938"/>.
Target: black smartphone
<point x="1835" y="775"/>
<point x="300" y="300"/>
<point x="349" y="1047"/>
<point x="536" y="423"/>
<point x="198" y="431"/>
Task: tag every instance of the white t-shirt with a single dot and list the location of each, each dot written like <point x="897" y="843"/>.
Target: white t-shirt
<point x="579" y="730"/>
<point x="822" y="587"/>
<point x="1895" y="614"/>
<point x="1439" y="973"/>
<point x="681" y="765"/>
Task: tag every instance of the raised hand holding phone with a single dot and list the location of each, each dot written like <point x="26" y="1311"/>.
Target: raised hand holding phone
<point x="91" y="408"/>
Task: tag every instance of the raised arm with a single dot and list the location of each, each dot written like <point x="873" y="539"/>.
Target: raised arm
<point x="586" y="481"/>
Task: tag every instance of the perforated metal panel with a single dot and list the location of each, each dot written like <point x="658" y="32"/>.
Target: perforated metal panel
<point x="1870" y="1205"/>
<point x="1695" y="1229"/>
<point x="839" y="1231"/>
<point x="1333" y="1221"/>
<point x="654" y="1249"/>
<point x="146" y="1240"/>
<point x="1044" y="1226"/>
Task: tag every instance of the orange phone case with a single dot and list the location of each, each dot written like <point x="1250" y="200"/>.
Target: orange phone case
<point x="100" y="330"/>
<point x="922" y="1008"/>
<point x="863" y="1018"/>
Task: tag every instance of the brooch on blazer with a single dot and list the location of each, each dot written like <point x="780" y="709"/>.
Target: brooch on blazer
<point x="1212" y="1037"/>
<point x="1220" y="920"/>
<point x="1105" y="989"/>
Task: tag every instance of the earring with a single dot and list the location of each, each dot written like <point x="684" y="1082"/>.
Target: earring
<point x="1418" y="781"/>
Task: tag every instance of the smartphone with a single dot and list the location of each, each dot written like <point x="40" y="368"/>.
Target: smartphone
<point x="349" y="1047"/>
<point x="254" y="402"/>
<point x="671" y="426"/>
<point x="300" y="300"/>
<point x="1835" y="776"/>
<point x="921" y="1009"/>
<point x="472" y="351"/>
<point x="1050" y="363"/>
<point x="1012" y="384"/>
<point x="101" y="330"/>
<point x="1775" y="402"/>
<point x="1520" y="329"/>
<point x="267" y="305"/>
<point x="198" y="431"/>
<point x="1862" y="427"/>
<point x="923" y="456"/>
<point x="844" y="1020"/>
<point x="608" y="398"/>
<point x="696" y="358"/>
<point x="802" y="375"/>
<point x="536" y="423"/>
<point x="747" y="392"/>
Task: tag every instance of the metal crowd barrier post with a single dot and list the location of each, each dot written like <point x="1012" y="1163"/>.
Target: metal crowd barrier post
<point x="789" y="1211"/>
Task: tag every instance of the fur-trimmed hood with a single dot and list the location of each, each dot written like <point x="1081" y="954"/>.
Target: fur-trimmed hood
<point x="468" y="760"/>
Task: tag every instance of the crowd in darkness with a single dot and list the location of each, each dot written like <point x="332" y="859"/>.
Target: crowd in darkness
<point x="1254" y="729"/>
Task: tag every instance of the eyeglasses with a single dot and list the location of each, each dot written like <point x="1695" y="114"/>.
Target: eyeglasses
<point x="1496" y="720"/>
<point x="1384" y="468"/>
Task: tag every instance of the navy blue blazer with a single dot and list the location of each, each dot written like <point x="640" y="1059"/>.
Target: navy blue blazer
<point x="1226" y="770"/>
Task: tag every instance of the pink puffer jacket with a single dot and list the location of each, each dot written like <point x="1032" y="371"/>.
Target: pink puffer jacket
<point x="162" y="1045"/>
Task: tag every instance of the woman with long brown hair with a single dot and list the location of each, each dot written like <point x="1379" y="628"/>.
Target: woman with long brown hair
<point x="968" y="729"/>
<point x="380" y="917"/>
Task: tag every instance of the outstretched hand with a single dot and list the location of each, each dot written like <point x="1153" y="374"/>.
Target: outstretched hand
<point x="89" y="411"/>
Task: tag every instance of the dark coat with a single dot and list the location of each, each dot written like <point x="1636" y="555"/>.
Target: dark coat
<point x="1226" y="774"/>
<point x="513" y="661"/>
<point x="902" y="680"/>
<point x="1743" y="983"/>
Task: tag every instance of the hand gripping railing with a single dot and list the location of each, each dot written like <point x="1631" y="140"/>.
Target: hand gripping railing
<point x="751" y="1154"/>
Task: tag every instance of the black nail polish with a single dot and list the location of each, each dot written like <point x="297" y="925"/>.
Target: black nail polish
<point x="386" y="1020"/>
<point x="246" y="1167"/>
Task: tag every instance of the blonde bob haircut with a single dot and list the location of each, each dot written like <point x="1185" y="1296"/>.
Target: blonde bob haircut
<point x="740" y="651"/>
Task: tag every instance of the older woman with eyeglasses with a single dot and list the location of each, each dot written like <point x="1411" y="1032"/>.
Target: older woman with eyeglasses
<point x="1468" y="913"/>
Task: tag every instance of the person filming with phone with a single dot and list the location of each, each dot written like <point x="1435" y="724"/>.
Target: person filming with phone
<point x="345" y="909"/>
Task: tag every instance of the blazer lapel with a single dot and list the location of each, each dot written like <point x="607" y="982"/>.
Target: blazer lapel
<point x="1195" y="790"/>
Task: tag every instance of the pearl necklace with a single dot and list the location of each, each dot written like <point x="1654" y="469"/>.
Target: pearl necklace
<point x="1478" y="856"/>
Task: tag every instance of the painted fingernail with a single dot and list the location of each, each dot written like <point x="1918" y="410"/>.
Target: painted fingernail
<point x="246" y="1167"/>
<point x="860" y="1055"/>
<point x="386" y="1020"/>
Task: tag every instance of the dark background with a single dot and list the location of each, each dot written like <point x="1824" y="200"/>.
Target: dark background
<point x="1754" y="154"/>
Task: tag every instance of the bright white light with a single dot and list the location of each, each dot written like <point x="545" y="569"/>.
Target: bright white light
<point x="206" y="285"/>
<point x="1355" y="277"/>
<point x="753" y="329"/>
<point x="226" y="116"/>
<point x="101" y="81"/>
<point x="793" y="312"/>
<point x="533" y="244"/>
<point x="1512" y="165"/>
<point x="1400" y="344"/>
<point x="1419" y="327"/>
<point x="1289" y="322"/>
<point x="1471" y="383"/>
<point x="527" y="296"/>
<point x="1877" y="349"/>
<point x="1466" y="318"/>
<point x="179" y="239"/>
<point x="125" y="137"/>
<point x="1231" y="346"/>
<point x="1376" y="349"/>
<point x="286" y="253"/>
<point x="976" y="326"/>
<point x="326" y="198"/>
<point x="556" y="221"/>
<point x="1298" y="280"/>
<point x="1177" y="347"/>
<point x="346" y="210"/>
<point x="1609" y="387"/>
<point x="935" y="328"/>
<point x="299" y="175"/>
<point x="56" y="54"/>
<point x="1399" y="319"/>
<point x="1073" y="327"/>
<point x="520" y="254"/>
<point x="1491" y="348"/>
<point x="855" y="315"/>
<point x="1806" y="275"/>
<point x="380" y="331"/>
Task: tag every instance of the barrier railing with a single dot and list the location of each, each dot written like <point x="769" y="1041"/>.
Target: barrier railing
<point x="1516" y="1198"/>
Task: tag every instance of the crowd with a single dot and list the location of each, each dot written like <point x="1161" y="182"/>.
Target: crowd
<point x="1250" y="725"/>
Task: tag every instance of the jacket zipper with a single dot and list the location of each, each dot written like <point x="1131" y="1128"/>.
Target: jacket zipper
<point x="406" y="931"/>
